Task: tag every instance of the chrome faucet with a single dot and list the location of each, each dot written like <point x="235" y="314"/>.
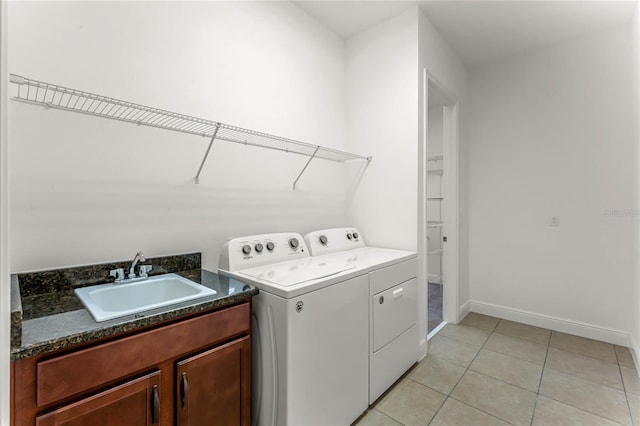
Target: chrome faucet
<point x="138" y="258"/>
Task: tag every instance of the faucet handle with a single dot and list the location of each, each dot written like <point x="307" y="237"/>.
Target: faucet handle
<point x="144" y="270"/>
<point x="118" y="274"/>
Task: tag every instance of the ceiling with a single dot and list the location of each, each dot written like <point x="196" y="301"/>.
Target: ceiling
<point x="480" y="31"/>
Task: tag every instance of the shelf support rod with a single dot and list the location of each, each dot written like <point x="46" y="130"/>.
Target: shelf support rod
<point x="206" y="154"/>
<point x="305" y="167"/>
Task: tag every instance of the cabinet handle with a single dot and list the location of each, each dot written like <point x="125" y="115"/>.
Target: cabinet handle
<point x="398" y="292"/>
<point x="185" y="390"/>
<point x="155" y="405"/>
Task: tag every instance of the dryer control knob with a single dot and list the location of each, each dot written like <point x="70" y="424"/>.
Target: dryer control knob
<point x="323" y="240"/>
<point x="293" y="243"/>
<point x="270" y="246"/>
<point x="246" y="249"/>
<point x="258" y="247"/>
<point x="349" y="236"/>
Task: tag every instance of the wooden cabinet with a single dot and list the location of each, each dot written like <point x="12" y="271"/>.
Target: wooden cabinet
<point x="135" y="403"/>
<point x="211" y="386"/>
<point x="195" y="371"/>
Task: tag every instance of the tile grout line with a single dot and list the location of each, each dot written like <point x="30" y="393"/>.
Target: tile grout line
<point x="386" y="415"/>
<point x="585" y="355"/>
<point x="417" y="383"/>
<point x="537" y="393"/>
<point x="465" y="372"/>
<point x="482" y="411"/>
<point x="503" y="381"/>
<point x="610" y="387"/>
<point x="579" y="408"/>
<point x="515" y="357"/>
<point x="539" y="385"/>
<point x="587" y="380"/>
<point x="588" y="357"/>
<point x="405" y="376"/>
<point x="474" y="358"/>
<point x="430" y="388"/>
<point x="583" y="410"/>
<point x="439" y="408"/>
<point x="544" y="365"/>
<point x="503" y="354"/>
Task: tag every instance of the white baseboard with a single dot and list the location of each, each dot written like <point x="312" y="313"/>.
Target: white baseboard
<point x="463" y="311"/>
<point x="589" y="331"/>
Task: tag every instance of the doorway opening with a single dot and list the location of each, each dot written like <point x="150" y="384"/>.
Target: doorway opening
<point x="440" y="203"/>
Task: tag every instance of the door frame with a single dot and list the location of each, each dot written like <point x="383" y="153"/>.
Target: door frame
<point x="451" y="213"/>
<point x="450" y="268"/>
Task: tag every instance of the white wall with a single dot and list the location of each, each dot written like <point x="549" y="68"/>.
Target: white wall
<point x="446" y="69"/>
<point x="551" y="133"/>
<point x="382" y="121"/>
<point x="5" y="294"/>
<point x="635" y="57"/>
<point x="87" y="190"/>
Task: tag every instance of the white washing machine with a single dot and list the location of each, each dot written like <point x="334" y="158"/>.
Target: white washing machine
<point x="392" y="300"/>
<point x="310" y="338"/>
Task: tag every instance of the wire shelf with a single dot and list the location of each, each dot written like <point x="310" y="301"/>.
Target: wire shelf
<point x="60" y="97"/>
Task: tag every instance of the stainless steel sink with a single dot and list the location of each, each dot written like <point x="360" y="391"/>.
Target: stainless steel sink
<point x="108" y="301"/>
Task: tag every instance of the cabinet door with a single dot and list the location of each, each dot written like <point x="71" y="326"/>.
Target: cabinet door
<point x="214" y="387"/>
<point x="134" y="403"/>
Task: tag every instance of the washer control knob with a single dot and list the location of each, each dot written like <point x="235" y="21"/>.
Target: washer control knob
<point x="349" y="236"/>
<point x="246" y="249"/>
<point x="258" y="247"/>
<point x="270" y="246"/>
<point x="323" y="240"/>
<point x="293" y="243"/>
<point x="355" y="235"/>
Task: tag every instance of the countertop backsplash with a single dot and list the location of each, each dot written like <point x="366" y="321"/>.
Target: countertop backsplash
<point x="46" y="315"/>
<point x="43" y="282"/>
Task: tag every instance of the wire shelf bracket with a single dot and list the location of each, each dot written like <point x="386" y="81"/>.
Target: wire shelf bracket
<point x="64" y="98"/>
<point x="206" y="154"/>
<point x="305" y="167"/>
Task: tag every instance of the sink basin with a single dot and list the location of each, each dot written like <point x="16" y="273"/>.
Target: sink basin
<point x="108" y="301"/>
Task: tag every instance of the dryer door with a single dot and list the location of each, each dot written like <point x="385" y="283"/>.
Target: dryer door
<point x="394" y="312"/>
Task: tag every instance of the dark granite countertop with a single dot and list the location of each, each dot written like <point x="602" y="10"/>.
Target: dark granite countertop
<point x="55" y="320"/>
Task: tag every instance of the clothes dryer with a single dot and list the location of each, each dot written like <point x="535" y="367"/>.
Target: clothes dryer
<point x="392" y="300"/>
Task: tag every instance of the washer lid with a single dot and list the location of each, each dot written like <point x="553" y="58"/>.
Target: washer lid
<point x="295" y="272"/>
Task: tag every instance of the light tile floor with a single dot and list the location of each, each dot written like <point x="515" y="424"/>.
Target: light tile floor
<point x="487" y="371"/>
